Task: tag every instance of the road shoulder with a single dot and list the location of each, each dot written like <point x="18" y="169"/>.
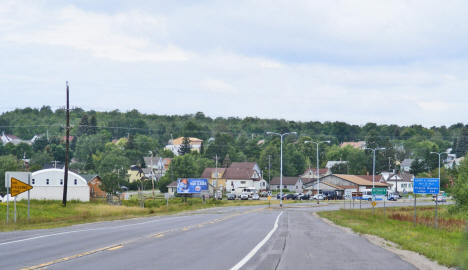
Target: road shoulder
<point x="416" y="259"/>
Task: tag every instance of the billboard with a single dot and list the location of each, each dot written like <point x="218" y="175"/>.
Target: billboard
<point x="426" y="185"/>
<point x="191" y="185"/>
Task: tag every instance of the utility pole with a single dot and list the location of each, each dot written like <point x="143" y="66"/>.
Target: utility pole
<point x="269" y="169"/>
<point x="152" y="173"/>
<point x="67" y="145"/>
<point x="216" y="181"/>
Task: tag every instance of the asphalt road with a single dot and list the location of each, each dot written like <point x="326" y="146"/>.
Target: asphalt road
<point x="253" y="237"/>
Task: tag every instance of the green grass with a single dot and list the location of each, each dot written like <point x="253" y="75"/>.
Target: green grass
<point x="50" y="214"/>
<point x="442" y="245"/>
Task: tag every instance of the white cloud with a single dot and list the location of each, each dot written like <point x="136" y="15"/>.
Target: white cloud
<point x="218" y="86"/>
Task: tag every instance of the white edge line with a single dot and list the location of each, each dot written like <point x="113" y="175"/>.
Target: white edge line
<point x="257" y="247"/>
<point x="84" y="230"/>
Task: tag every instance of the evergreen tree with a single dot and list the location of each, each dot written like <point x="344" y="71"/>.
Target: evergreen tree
<point x="185" y="148"/>
<point x="462" y="143"/>
<point x="92" y="125"/>
<point x="84" y="124"/>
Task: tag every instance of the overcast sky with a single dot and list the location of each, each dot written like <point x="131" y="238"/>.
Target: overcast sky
<point x="401" y="62"/>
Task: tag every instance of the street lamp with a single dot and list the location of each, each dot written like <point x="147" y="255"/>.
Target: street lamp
<point x="317" y="172"/>
<point x="437" y="196"/>
<point x="373" y="163"/>
<point x="281" y="160"/>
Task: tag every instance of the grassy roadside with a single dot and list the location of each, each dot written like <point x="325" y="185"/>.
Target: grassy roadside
<point x="441" y="245"/>
<point x="51" y="214"/>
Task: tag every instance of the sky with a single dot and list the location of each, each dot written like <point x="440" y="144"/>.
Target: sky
<point x="389" y="62"/>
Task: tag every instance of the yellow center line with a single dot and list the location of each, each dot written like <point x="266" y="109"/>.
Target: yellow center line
<point x="156" y="235"/>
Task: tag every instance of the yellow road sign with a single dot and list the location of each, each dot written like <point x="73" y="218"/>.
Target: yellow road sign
<point x="269" y="197"/>
<point x="18" y="187"/>
<point x="374" y="204"/>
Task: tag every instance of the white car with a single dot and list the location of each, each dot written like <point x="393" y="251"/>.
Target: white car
<point x="318" y="197"/>
<point x="244" y="196"/>
<point x="255" y="197"/>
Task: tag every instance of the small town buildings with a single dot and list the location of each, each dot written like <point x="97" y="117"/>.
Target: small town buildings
<point x="175" y="144"/>
<point x="241" y="175"/>
<point x="291" y="183"/>
<point x="312" y="173"/>
<point x="48" y="185"/>
<point x="405" y="165"/>
<point x="347" y="183"/>
<point x="94" y="183"/>
<point x="159" y="165"/>
<point x="215" y="177"/>
<point x="401" y="182"/>
<point x="135" y="173"/>
<point x="172" y="188"/>
<point x="8" y="138"/>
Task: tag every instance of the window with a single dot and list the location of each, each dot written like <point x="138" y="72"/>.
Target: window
<point x="76" y="182"/>
<point x="61" y="181"/>
<point x="47" y="181"/>
<point x="242" y="182"/>
<point x="278" y="186"/>
<point x="285" y="186"/>
<point x="34" y="181"/>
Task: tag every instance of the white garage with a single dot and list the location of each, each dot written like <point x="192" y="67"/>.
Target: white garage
<point x="48" y="185"/>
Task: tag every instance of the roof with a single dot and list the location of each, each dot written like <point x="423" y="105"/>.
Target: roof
<point x="178" y="141"/>
<point x="240" y="170"/>
<point x="208" y="172"/>
<point x="403" y="177"/>
<point x="249" y="165"/>
<point x="287" y="180"/>
<point x="311" y="183"/>
<point x="314" y="171"/>
<point x="172" y="184"/>
<point x="89" y="177"/>
<point x="360" y="180"/>
<point x="378" y="177"/>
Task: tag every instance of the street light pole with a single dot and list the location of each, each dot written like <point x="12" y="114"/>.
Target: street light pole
<point x="318" y="164"/>
<point x="437" y="195"/>
<point x="373" y="163"/>
<point x="281" y="160"/>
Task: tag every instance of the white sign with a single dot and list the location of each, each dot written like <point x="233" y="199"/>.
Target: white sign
<point x="167" y="196"/>
<point x="24" y="177"/>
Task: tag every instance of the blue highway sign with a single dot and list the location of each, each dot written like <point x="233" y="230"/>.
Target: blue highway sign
<point x="426" y="185"/>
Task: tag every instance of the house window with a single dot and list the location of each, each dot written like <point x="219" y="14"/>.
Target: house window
<point x="285" y="186"/>
<point x="278" y="187"/>
<point x="47" y="181"/>
<point x="242" y="182"/>
<point x="34" y="181"/>
<point x="61" y="181"/>
<point x="76" y="182"/>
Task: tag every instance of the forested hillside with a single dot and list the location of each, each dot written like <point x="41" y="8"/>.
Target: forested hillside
<point x="134" y="135"/>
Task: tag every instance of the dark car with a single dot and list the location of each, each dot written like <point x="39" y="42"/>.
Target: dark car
<point x="303" y="197"/>
<point x="231" y="196"/>
<point x="290" y="196"/>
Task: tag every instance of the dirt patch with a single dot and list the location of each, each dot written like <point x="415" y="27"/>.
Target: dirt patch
<point x="418" y="260"/>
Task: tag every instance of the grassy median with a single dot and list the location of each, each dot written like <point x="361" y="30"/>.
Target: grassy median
<point x="50" y="214"/>
<point x="443" y="245"/>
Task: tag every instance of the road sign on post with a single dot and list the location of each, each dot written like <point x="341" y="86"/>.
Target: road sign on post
<point x="426" y="186"/>
<point x="18" y="187"/>
<point x="17" y="183"/>
<point x="379" y="191"/>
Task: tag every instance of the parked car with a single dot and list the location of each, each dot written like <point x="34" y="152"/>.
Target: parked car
<point x="303" y="197"/>
<point x="231" y="196"/>
<point x="439" y="198"/>
<point x="255" y="197"/>
<point x="393" y="197"/>
<point x="318" y="197"/>
<point x="244" y="196"/>
<point x="290" y="196"/>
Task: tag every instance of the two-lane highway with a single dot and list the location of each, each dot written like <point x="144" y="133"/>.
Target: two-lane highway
<point x="253" y="237"/>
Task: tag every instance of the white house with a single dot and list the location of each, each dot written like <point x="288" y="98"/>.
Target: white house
<point x="48" y="185"/>
<point x="242" y="175"/>
<point x="402" y="182"/>
<point x="175" y="144"/>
